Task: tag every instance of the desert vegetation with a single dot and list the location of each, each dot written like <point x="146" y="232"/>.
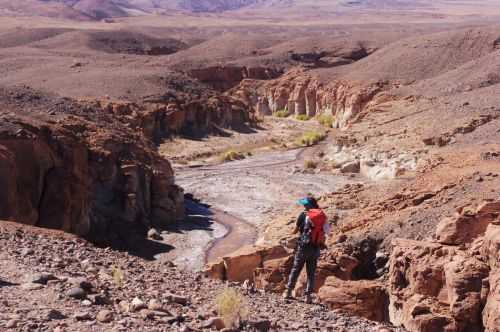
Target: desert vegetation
<point x="302" y="117"/>
<point x="326" y="120"/>
<point x="120" y="208"/>
<point x="310" y="164"/>
<point x="232" y="307"/>
<point x="232" y="155"/>
<point x="311" y="138"/>
<point x="281" y="113"/>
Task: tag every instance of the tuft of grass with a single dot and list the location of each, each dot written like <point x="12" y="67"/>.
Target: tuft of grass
<point x="310" y="164"/>
<point x="311" y="138"/>
<point x="303" y="117"/>
<point x="232" y="307"/>
<point x="326" y="120"/>
<point x="281" y="113"/>
<point x="232" y="155"/>
<point x="118" y="275"/>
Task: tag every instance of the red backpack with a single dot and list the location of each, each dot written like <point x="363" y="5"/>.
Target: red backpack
<point x="318" y="219"/>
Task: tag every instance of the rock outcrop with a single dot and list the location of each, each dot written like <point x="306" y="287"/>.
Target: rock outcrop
<point x="80" y="170"/>
<point x="226" y="77"/>
<point x="242" y="264"/>
<point x="159" y="118"/>
<point x="297" y="93"/>
<point x="468" y="225"/>
<point x="452" y="284"/>
<point x="363" y="298"/>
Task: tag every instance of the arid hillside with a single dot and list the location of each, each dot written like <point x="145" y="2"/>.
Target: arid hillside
<point x="152" y="154"/>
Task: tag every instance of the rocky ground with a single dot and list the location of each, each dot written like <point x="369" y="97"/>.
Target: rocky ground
<point x="408" y="173"/>
<point x="51" y="281"/>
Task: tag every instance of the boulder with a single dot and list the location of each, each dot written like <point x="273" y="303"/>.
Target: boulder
<point x="154" y="235"/>
<point x="491" y="251"/>
<point x="468" y="225"/>
<point x="214" y="323"/>
<point x="341" y="269"/>
<point x="273" y="276"/>
<point x="491" y="312"/>
<point x="434" y="287"/>
<point x="136" y="305"/>
<point x="491" y="246"/>
<point x="351" y="167"/>
<point x="104" y="316"/>
<point x="215" y="270"/>
<point x="363" y="298"/>
<point x="241" y="265"/>
<point x="76" y="293"/>
<point x="41" y="278"/>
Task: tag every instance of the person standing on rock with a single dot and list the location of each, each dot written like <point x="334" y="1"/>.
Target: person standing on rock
<point x="313" y="226"/>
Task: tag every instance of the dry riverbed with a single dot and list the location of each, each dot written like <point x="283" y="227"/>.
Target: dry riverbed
<point x="244" y="197"/>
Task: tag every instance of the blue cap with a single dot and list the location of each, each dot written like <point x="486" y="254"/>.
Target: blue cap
<point x="305" y="202"/>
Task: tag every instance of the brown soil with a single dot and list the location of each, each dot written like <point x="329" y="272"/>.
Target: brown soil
<point x="91" y="111"/>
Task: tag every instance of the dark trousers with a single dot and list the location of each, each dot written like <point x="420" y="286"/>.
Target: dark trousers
<point x="308" y="256"/>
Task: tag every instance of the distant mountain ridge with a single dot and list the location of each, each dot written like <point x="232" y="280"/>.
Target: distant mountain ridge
<point x="103" y="9"/>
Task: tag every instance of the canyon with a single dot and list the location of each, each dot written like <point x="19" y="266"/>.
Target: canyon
<point x="152" y="153"/>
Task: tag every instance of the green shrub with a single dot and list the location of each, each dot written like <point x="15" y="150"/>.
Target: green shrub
<point x="311" y="138"/>
<point x="310" y="164"/>
<point x="326" y="120"/>
<point x="281" y="114"/>
<point x="302" y="117"/>
<point x="232" y="307"/>
<point x="232" y="155"/>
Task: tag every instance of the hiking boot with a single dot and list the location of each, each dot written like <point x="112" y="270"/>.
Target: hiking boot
<point x="309" y="299"/>
<point x="287" y="295"/>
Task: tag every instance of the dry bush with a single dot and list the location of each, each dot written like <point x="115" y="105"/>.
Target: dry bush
<point x="310" y="164"/>
<point x="311" y="138"/>
<point x="232" y="307"/>
<point x="118" y="275"/>
<point x="232" y="155"/>
<point x="326" y="120"/>
<point x="281" y="114"/>
<point x="303" y="117"/>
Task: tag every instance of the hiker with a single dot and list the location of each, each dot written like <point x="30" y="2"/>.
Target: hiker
<point x="313" y="226"/>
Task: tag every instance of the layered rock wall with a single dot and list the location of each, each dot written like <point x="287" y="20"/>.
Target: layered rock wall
<point x="158" y="119"/>
<point x="83" y="173"/>
<point x="226" y="77"/>
<point x="297" y="94"/>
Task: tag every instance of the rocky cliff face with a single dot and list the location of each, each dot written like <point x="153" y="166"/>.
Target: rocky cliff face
<point x="159" y="118"/>
<point x="450" y="284"/>
<point x="226" y="77"/>
<point x="74" y="167"/>
<point x="298" y="93"/>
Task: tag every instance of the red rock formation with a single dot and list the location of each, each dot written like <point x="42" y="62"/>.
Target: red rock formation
<point x="298" y="93"/>
<point x="436" y="287"/>
<point x="242" y="264"/>
<point x="158" y="119"/>
<point x="468" y="225"/>
<point x="363" y="298"/>
<point x="82" y="171"/>
<point x="226" y="77"/>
